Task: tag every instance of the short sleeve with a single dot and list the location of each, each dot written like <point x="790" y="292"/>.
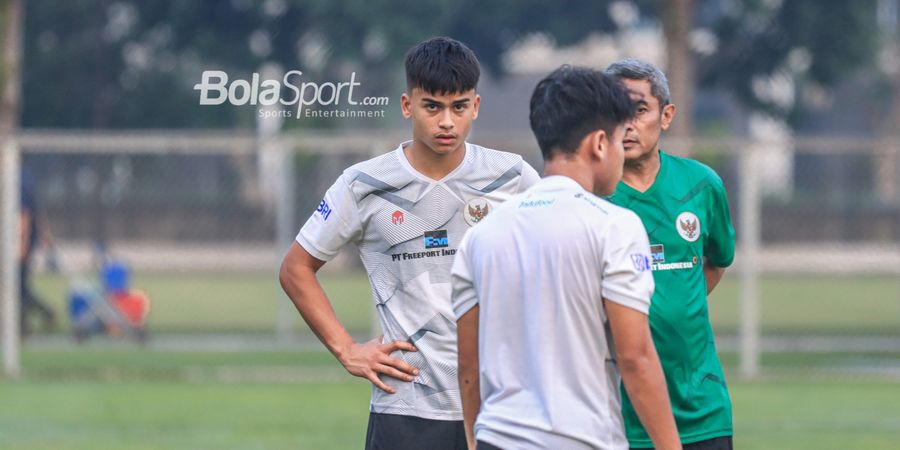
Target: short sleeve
<point x="528" y="178"/>
<point x="463" y="296"/>
<point x="334" y="223"/>
<point x="627" y="278"/>
<point x="719" y="245"/>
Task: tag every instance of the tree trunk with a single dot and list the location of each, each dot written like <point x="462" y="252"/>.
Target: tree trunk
<point x="678" y="20"/>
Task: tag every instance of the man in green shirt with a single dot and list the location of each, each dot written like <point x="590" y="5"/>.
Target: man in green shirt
<point x="684" y="209"/>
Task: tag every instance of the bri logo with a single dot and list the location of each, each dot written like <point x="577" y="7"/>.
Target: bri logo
<point x="324" y="209"/>
<point x="436" y="239"/>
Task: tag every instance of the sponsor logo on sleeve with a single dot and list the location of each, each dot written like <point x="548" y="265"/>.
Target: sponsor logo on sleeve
<point x="475" y="210"/>
<point x="641" y="262"/>
<point x="688" y="226"/>
<point x="436" y="239"/>
<point x="324" y="209"/>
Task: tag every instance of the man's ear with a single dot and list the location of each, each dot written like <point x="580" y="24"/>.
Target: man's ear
<point x="668" y="115"/>
<point x="599" y="144"/>
<point x="475" y="106"/>
<point x="406" y="105"/>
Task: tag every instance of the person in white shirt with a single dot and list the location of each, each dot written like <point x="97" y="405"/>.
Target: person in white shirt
<point x="407" y="211"/>
<point x="551" y="291"/>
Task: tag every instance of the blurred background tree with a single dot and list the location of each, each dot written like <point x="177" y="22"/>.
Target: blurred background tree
<point x="106" y="64"/>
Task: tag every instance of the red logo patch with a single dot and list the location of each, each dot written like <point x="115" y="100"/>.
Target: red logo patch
<point x="397" y="217"/>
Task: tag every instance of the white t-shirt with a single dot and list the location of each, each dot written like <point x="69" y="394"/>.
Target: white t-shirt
<point x="407" y="227"/>
<point x="538" y="267"/>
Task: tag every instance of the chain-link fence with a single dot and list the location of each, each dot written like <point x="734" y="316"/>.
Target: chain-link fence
<point x="203" y="219"/>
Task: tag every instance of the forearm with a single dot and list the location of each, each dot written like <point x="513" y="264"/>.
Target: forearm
<point x="24" y="242"/>
<point x="713" y="275"/>
<point x="646" y="386"/>
<point x="470" y="391"/>
<point x="469" y="385"/>
<point x="303" y="288"/>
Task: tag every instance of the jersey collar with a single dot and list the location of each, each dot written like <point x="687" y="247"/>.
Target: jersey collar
<point x="401" y="156"/>
<point x="624" y="188"/>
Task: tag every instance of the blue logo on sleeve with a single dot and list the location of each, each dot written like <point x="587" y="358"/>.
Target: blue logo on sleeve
<point x="324" y="209"/>
<point x="641" y="262"/>
<point x="436" y="239"/>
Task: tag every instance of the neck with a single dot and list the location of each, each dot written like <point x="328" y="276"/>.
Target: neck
<point x="569" y="166"/>
<point x="640" y="173"/>
<point x="431" y="164"/>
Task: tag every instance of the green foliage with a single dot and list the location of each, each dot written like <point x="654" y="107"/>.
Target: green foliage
<point x="757" y="39"/>
<point x="130" y="64"/>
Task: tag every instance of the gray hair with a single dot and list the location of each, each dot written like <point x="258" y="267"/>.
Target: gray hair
<point x="635" y="69"/>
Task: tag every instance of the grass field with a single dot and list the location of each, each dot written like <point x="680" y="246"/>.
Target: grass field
<point x="127" y="397"/>
<point x="139" y="399"/>
<point x="246" y="303"/>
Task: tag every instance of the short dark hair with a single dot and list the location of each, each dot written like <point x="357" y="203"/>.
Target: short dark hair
<point x="442" y="65"/>
<point x="574" y="101"/>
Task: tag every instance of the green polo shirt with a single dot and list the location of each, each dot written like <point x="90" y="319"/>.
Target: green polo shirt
<point x="685" y="214"/>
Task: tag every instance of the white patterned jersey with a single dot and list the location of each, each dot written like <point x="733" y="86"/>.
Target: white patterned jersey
<point x="407" y="227"/>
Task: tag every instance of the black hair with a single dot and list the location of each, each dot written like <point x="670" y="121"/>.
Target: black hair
<point x="441" y="65"/>
<point x="574" y="101"/>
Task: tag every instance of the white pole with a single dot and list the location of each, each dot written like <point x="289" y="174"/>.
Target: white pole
<point x="278" y="164"/>
<point x="11" y="12"/>
<point x="750" y="206"/>
<point x="9" y="246"/>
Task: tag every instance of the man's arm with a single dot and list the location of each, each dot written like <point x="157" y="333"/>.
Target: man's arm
<point x="713" y="275"/>
<point x="469" y="386"/>
<point x="24" y="228"/>
<point x="298" y="279"/>
<point x="642" y="374"/>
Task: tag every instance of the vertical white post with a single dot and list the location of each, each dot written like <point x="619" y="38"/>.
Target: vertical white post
<point x="278" y="169"/>
<point x="286" y="229"/>
<point x="750" y="208"/>
<point x="11" y="12"/>
<point x="9" y="247"/>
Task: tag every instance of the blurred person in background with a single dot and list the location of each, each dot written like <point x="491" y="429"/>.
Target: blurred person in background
<point x="34" y="230"/>
<point x="684" y="208"/>
<point x="407" y="211"/>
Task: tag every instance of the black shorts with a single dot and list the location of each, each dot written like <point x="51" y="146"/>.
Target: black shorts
<point x="716" y="443"/>
<point x="395" y="432"/>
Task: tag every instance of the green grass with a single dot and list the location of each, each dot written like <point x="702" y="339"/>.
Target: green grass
<point x="814" y="305"/>
<point x="166" y="415"/>
<point x="188" y="303"/>
<point x="126" y="397"/>
<point x="142" y="399"/>
<point x="228" y="302"/>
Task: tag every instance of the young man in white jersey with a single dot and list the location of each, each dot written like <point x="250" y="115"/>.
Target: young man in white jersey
<point x="552" y="290"/>
<point x="407" y="211"/>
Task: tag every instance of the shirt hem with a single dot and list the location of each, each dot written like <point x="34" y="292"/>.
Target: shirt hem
<point x="430" y="415"/>
<point x="689" y="439"/>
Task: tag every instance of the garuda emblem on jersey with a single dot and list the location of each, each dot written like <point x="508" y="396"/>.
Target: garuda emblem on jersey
<point x="688" y="226"/>
<point x="475" y="210"/>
